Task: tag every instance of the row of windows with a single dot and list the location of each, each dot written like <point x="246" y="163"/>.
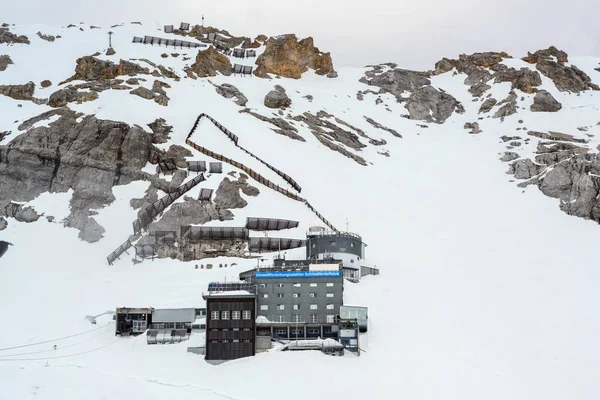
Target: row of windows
<point x="297" y="284"/>
<point x="330" y="319"/>
<point x="332" y="244"/>
<point x="214" y="315"/>
<point x="295" y="295"/>
<point x="233" y="329"/>
<point x="281" y="307"/>
<point x="232" y="341"/>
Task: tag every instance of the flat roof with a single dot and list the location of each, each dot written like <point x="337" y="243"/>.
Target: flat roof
<point x="174" y="315"/>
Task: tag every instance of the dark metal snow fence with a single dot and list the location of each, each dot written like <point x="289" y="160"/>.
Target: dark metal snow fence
<point x="253" y="174"/>
<point x="270" y="244"/>
<point x="195" y="233"/>
<point x="235" y="140"/>
<point x="269" y="224"/>
<point x="153" y="210"/>
<point x="152" y="40"/>
<point x="117" y="253"/>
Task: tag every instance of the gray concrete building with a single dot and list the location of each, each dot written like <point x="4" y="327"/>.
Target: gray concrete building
<point x="298" y="301"/>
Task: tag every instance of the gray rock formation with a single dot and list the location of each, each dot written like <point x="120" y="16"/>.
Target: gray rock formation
<point x="160" y="131"/>
<point x="277" y="98"/>
<point x="561" y="137"/>
<point x="525" y="169"/>
<point x="229" y="91"/>
<point x="228" y="193"/>
<point x="62" y="97"/>
<point x="47" y="38"/>
<point x="425" y="102"/>
<point x="283" y="127"/>
<point x="509" y="106"/>
<point x="509" y="156"/>
<point x="10" y="38"/>
<point x="3" y="223"/>
<point x="432" y="105"/>
<point x="487" y="105"/>
<point x="473" y="126"/>
<point x="545" y="102"/>
<point x="110" y="51"/>
<point x="18" y="92"/>
<point x="190" y="212"/>
<point x="379" y="126"/>
<point x="20" y="213"/>
<point x="5" y="61"/>
<point x="90" y="157"/>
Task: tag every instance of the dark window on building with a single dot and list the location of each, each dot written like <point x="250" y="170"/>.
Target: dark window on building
<point x="246" y="314"/>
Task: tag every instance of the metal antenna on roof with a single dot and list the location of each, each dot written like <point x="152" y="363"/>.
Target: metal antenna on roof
<point x="202" y="19"/>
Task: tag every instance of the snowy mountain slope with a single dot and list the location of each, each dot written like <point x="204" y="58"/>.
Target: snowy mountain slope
<point x="486" y="289"/>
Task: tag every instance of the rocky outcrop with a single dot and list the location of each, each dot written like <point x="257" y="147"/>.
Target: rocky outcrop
<point x="551" y="62"/>
<point x="47" y="38"/>
<point x="5" y="61"/>
<point x="432" y="105"/>
<point x="557" y="136"/>
<point x="10" y="38"/>
<point x="327" y="132"/>
<point x="487" y="105"/>
<point x="545" y="102"/>
<point x="509" y="156"/>
<point x="228" y="195"/>
<point x="3" y="226"/>
<point x="287" y="57"/>
<point x="160" y="131"/>
<point x="157" y="93"/>
<point x="229" y="91"/>
<point x="110" y="51"/>
<point x="424" y="103"/>
<point x="20" y="213"/>
<point x="62" y="97"/>
<point x="209" y="62"/>
<point x="18" y="92"/>
<point x="45" y="83"/>
<point x="85" y="154"/>
<point x="283" y="127"/>
<point x="509" y="106"/>
<point x="523" y="79"/>
<point x="90" y="68"/>
<point x="190" y="212"/>
<point x="277" y="98"/>
<point x="379" y="126"/>
<point x="473" y="126"/>
<point x="525" y="169"/>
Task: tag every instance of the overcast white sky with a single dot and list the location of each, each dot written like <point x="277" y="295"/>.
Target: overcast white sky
<point x="414" y="34"/>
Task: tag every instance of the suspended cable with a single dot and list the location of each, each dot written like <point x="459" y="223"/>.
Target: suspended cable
<point x="55" y="357"/>
<point x="54" y="349"/>
<point x="54" y="340"/>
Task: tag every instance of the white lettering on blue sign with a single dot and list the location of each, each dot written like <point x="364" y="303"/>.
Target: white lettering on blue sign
<point x="297" y="274"/>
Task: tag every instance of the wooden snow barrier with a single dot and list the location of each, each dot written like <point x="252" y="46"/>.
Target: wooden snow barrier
<point x="269" y="224"/>
<point x="168" y="28"/>
<point x="250" y="53"/>
<point x="196" y="166"/>
<point x="184" y="26"/>
<point x="239" y="53"/>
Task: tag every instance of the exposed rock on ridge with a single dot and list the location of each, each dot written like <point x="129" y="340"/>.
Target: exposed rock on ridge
<point x="287" y="57"/>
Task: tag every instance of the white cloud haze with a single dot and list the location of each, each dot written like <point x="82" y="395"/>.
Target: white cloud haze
<point x="414" y="34"/>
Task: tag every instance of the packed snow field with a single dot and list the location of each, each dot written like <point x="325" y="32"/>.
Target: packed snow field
<point x="486" y="290"/>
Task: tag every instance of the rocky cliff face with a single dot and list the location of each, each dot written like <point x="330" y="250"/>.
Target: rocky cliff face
<point x="209" y="62"/>
<point x="89" y="156"/>
<point x="287" y="57"/>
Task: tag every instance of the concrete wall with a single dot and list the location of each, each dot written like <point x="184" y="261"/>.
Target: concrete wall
<point x="263" y="343"/>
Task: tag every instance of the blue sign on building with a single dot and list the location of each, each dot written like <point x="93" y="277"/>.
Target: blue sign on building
<point x="298" y="274"/>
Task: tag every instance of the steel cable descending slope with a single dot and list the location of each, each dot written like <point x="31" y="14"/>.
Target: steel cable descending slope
<point x="54" y="340"/>
<point x="253" y="174"/>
